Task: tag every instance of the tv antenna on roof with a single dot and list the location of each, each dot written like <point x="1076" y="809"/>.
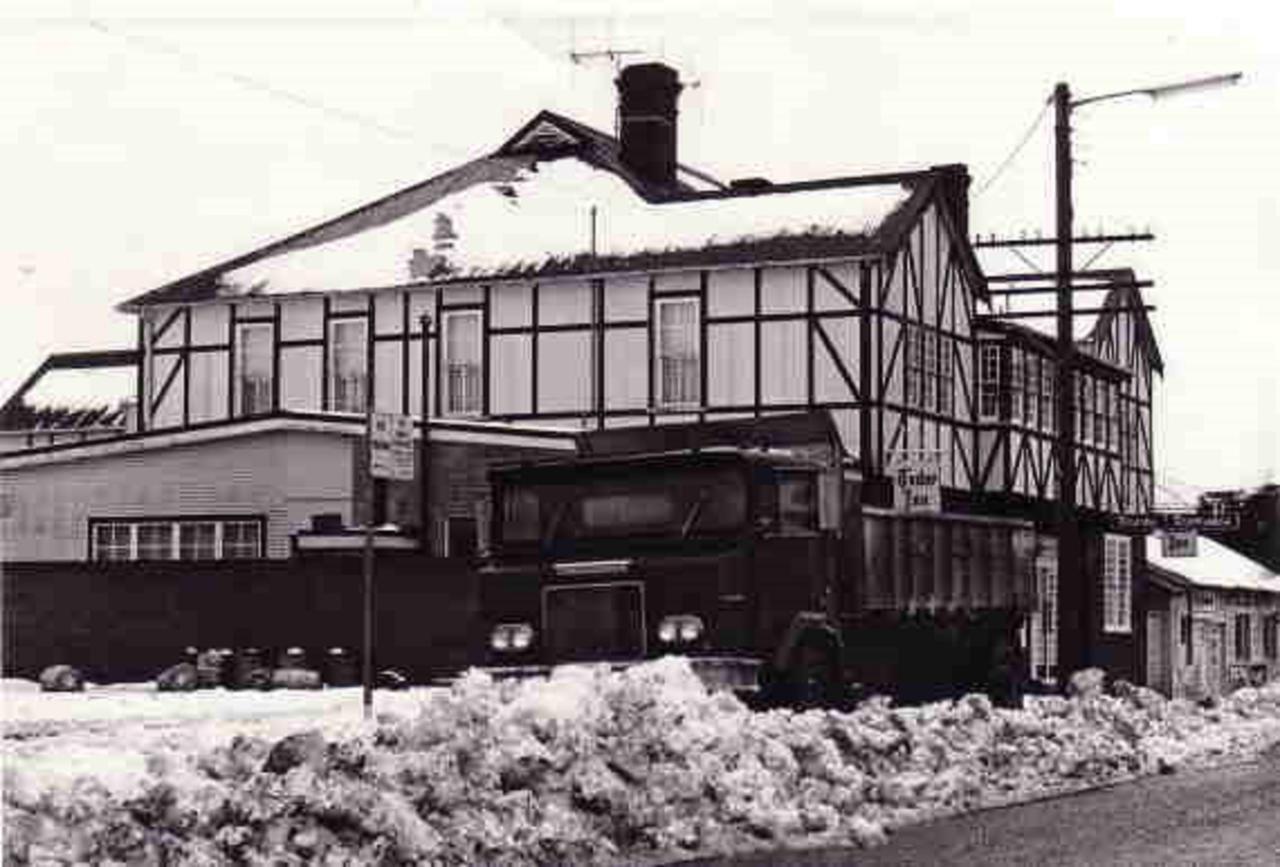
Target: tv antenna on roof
<point x="614" y="55"/>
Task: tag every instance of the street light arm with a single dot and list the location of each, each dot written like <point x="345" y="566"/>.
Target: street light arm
<point x="1164" y="90"/>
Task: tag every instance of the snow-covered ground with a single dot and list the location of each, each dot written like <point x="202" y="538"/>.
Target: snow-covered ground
<point x="588" y="767"/>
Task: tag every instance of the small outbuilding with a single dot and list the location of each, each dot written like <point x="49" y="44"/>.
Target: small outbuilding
<point x="1212" y="617"/>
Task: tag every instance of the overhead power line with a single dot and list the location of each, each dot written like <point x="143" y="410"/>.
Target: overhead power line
<point x="156" y="45"/>
<point x="1013" y="154"/>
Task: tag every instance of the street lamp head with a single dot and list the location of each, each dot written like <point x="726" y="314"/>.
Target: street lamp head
<point x="1159" y="91"/>
<point x="1196" y="84"/>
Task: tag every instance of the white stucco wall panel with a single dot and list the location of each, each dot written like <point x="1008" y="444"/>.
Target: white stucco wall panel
<point x="511" y="305"/>
<point x="510" y="374"/>
<point x="730" y="364"/>
<point x="300" y="372"/>
<point x="626" y="298"/>
<point x="731" y="292"/>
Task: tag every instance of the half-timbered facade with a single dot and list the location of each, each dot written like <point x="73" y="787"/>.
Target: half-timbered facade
<point x="571" y="280"/>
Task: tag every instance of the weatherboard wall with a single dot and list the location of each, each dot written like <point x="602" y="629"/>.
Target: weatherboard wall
<point x="283" y="478"/>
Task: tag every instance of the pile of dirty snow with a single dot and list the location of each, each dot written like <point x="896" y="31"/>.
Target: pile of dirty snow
<point x="593" y="766"/>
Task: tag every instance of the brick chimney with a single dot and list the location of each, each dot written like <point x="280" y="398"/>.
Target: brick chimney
<point x="647" y="94"/>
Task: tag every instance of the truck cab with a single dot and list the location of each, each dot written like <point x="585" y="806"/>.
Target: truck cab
<point x="709" y="553"/>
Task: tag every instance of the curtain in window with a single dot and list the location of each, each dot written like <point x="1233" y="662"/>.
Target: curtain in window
<point x="678" y="369"/>
<point x="463" y="363"/>
<point x="347" y="366"/>
<point x="254" y="380"/>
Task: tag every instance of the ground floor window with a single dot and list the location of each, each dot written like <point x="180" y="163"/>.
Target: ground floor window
<point x="1244" y="636"/>
<point x="176" y="539"/>
<point x="1117" y="584"/>
<point x="1044" y="622"/>
<point x="1270" y="626"/>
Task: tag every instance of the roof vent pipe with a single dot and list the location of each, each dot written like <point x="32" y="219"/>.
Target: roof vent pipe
<point x="647" y="95"/>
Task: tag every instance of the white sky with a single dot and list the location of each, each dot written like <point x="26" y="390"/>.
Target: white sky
<point x="142" y="143"/>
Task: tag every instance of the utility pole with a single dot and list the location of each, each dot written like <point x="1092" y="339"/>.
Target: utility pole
<point x="1073" y="613"/>
<point x="366" y="656"/>
<point x="1072" y="610"/>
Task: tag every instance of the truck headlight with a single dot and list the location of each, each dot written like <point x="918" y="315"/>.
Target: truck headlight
<point x="511" y="637"/>
<point x="680" y="629"/>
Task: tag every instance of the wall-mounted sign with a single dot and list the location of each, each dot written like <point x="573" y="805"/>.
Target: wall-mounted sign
<point x="1192" y="522"/>
<point x="391" y="447"/>
<point x="917" y="481"/>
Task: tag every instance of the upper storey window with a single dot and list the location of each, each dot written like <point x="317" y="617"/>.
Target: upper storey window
<point x="463" y="363"/>
<point x="677" y="356"/>
<point x="989" y="380"/>
<point x="347" y="365"/>
<point x="253" y="368"/>
<point x="930" y="370"/>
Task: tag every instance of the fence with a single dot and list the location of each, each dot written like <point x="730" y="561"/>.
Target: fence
<point x="129" y="621"/>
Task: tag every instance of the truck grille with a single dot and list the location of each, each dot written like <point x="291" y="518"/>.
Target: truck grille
<point x="592" y="622"/>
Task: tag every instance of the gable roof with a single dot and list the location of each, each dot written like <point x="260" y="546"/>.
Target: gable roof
<point x="1125" y="295"/>
<point x="527" y="206"/>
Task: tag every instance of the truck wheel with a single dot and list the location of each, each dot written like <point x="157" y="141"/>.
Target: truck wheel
<point x="814" y="674"/>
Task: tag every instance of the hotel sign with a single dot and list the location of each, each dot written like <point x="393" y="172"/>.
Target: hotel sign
<point x="917" y="482"/>
<point x="1177" y="522"/>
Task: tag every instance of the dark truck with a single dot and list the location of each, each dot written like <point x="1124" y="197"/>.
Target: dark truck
<point x="759" y="562"/>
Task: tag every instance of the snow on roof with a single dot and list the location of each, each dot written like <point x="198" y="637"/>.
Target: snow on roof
<point x="83" y="388"/>
<point x="1215" y="565"/>
<point x="544" y="216"/>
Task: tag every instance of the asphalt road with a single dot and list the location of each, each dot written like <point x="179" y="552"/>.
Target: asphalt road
<point x="1224" y="816"/>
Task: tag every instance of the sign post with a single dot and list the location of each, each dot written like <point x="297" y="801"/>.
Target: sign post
<point x="389" y="455"/>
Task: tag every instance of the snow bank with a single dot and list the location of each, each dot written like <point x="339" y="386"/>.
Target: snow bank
<point x="592" y="766"/>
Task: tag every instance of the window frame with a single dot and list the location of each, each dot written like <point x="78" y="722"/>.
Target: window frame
<point x="1017" y="385"/>
<point x="173" y="544"/>
<point x="1048" y="388"/>
<point x="362" y="354"/>
<point x="1117" y="584"/>
<point x="989" y="379"/>
<point x="471" y="396"/>
<point x="662" y="400"/>
<point x="1242" y="636"/>
<point x="242" y="396"/>
<point x="946" y="375"/>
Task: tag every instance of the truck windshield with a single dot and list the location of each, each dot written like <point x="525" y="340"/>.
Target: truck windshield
<point x="689" y="502"/>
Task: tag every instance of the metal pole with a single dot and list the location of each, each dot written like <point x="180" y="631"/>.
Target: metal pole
<point x="1072" y="611"/>
<point x="424" y="445"/>
<point x="367" y="655"/>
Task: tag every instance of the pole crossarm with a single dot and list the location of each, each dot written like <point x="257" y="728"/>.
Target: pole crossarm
<point x="1092" y="287"/>
<point x="1050" y="242"/>
<point x="1100" y="273"/>
<point x="1082" y="311"/>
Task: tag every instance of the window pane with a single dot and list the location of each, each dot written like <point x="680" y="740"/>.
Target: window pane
<point x="155" y="541"/>
<point x="111" y="541"/>
<point x="254" y="376"/>
<point x="677" y="353"/>
<point x="462" y="363"/>
<point x="347" y="366"/>
<point x="241" y="540"/>
<point x="797" y="506"/>
<point x="197" y="541"/>
<point x="989" y="381"/>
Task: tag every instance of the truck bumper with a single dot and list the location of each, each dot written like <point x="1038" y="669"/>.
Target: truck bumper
<point x="741" y="674"/>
